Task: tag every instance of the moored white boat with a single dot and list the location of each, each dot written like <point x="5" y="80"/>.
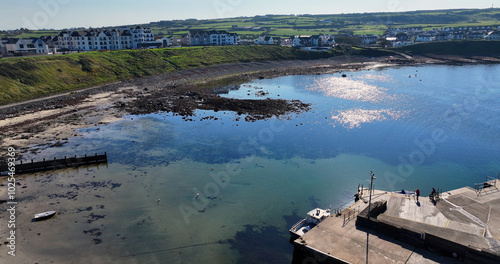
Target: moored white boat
<point x="314" y="217"/>
<point x="44" y="215"/>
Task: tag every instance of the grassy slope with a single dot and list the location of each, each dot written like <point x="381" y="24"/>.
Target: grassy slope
<point x="26" y="78"/>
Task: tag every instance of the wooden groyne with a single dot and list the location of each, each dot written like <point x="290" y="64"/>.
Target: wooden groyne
<point x="55" y="164"/>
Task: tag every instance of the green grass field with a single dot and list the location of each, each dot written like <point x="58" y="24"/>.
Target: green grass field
<point x="359" y="24"/>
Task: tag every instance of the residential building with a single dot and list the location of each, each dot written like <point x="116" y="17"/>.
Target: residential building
<point x="268" y="40"/>
<point x="368" y="39"/>
<point x="424" y="38"/>
<point x="493" y="35"/>
<point x="475" y="35"/>
<point x="105" y="39"/>
<point x="212" y="37"/>
<point x="20" y="46"/>
<point x="312" y="41"/>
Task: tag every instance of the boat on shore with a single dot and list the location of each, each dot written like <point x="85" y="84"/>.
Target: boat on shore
<point x="314" y="217"/>
<point x="44" y="215"/>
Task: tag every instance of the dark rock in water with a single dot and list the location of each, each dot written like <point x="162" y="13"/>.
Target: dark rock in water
<point x="97" y="241"/>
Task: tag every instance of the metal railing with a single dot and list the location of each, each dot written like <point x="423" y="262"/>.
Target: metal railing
<point x="351" y="214"/>
<point x="488" y="184"/>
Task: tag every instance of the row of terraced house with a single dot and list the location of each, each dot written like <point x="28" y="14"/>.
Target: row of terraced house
<point x="112" y="39"/>
<point x="408" y="36"/>
<point x="81" y="40"/>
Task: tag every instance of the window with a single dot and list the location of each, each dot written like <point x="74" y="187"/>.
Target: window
<point x="21" y="46"/>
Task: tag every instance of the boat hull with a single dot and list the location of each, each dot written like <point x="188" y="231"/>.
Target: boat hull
<point x="44" y="215"/>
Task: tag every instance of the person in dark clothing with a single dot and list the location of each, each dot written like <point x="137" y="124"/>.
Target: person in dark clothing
<point x="417" y="193"/>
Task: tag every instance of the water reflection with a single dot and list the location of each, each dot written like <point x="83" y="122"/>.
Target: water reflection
<point x="306" y="163"/>
<point x="353" y="118"/>
<point x="350" y="89"/>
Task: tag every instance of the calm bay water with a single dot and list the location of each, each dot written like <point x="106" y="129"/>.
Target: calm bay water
<point x="414" y="127"/>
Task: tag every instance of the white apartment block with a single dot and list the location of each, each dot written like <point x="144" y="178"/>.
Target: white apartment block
<point x="114" y="39"/>
<point x="213" y="37"/>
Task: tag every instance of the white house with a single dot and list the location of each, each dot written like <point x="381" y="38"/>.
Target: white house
<point x="264" y="40"/>
<point x="301" y="41"/>
<point x="13" y="46"/>
<point x="219" y="38"/>
<point x="141" y="35"/>
<point x="213" y="37"/>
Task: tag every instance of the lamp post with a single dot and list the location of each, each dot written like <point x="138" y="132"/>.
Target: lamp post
<point x="372" y="177"/>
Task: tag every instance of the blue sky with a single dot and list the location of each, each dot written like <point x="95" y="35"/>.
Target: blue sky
<point x="36" y="14"/>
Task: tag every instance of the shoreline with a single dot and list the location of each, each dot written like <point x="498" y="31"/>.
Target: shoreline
<point x="91" y="202"/>
<point x="50" y="121"/>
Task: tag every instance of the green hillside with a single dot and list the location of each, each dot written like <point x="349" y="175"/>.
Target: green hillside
<point x="287" y="25"/>
<point x="365" y="23"/>
<point x="26" y="78"/>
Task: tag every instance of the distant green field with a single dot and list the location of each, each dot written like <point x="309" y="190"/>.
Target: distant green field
<point x="359" y="24"/>
<point x="32" y="34"/>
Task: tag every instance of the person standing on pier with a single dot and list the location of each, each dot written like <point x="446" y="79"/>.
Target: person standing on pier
<point x="417" y="193"/>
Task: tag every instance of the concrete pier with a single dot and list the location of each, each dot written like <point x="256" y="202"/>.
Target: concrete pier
<point x="461" y="226"/>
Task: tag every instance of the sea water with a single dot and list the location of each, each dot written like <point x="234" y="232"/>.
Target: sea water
<point x="223" y="190"/>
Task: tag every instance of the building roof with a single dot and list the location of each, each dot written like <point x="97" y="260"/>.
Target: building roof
<point x="12" y="40"/>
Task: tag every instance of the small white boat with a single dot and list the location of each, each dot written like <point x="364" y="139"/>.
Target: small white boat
<point x="44" y="215"/>
<point x="314" y="217"/>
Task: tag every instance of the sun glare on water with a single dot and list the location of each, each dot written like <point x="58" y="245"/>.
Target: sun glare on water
<point x="353" y="118"/>
<point x="349" y="89"/>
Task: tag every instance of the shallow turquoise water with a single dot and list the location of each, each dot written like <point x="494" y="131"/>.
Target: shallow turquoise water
<point x="414" y="127"/>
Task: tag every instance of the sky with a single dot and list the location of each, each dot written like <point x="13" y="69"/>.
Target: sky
<point x="59" y="14"/>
